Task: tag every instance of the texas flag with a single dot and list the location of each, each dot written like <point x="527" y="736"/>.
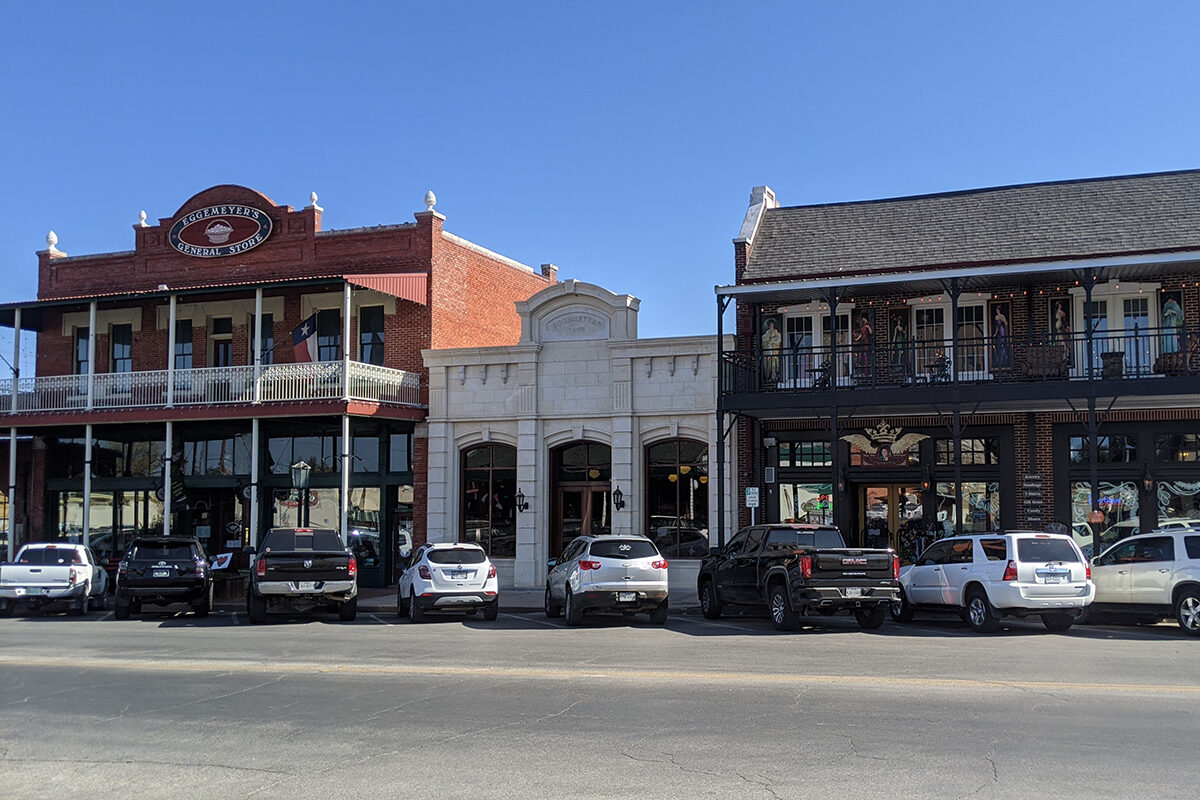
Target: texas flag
<point x="304" y="340"/>
<point x="222" y="561"/>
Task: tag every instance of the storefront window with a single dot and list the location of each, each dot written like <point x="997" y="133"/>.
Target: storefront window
<point x="1109" y="450"/>
<point x="585" y="462"/>
<point x="229" y="456"/>
<point x="806" y="502"/>
<point x="1177" y="447"/>
<point x="365" y="456"/>
<point x="489" y="484"/>
<point x="324" y="508"/>
<point x="980" y="507"/>
<point x="974" y="452"/>
<point x="364" y="521"/>
<point x="1178" y="500"/>
<point x="1118" y="503"/>
<point x="804" y="454"/>
<point x="677" y="498"/>
<point x="399" y="452"/>
<point x="116" y="516"/>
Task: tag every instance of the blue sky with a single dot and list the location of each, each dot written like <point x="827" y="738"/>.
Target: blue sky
<point x="619" y="140"/>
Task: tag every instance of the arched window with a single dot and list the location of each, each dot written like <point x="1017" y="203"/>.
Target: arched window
<point x="677" y="498"/>
<point x="489" y="484"/>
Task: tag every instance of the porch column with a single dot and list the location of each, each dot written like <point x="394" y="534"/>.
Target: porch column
<point x="257" y="370"/>
<point x="834" y="297"/>
<point x="87" y="483"/>
<point x="345" y="353"/>
<point x="91" y="374"/>
<point x="16" y="363"/>
<point x="168" y="462"/>
<point x="12" y="491"/>
<point x="1089" y="278"/>
<point x="722" y="304"/>
<point x="345" y="498"/>
<point x="171" y="357"/>
<point x="254" y="482"/>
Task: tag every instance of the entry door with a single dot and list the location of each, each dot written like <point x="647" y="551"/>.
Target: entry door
<point x="582" y="510"/>
<point x="884" y="510"/>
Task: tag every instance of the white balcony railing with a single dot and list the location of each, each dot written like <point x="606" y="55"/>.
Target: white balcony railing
<point x="214" y="386"/>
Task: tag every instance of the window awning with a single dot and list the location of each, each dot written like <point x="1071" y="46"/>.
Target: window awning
<point x="411" y="286"/>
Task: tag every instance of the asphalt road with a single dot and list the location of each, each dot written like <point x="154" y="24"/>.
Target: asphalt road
<point x="167" y="706"/>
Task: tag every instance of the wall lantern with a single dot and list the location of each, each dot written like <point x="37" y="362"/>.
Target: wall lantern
<point x="1147" y="479"/>
<point x="618" y="499"/>
<point x="522" y="504"/>
<point x="927" y="480"/>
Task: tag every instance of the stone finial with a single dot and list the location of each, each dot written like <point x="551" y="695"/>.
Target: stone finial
<point x="430" y="200"/>
<point x="52" y="244"/>
<point x="142" y="219"/>
<point x="312" y="202"/>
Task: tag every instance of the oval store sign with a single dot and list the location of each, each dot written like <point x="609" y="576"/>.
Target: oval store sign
<point x="220" y="231"/>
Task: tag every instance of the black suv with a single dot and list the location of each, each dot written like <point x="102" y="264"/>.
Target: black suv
<point x="163" y="570"/>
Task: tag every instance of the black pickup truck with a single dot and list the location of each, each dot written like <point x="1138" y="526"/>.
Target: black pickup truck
<point x="793" y="570"/>
<point x="299" y="569"/>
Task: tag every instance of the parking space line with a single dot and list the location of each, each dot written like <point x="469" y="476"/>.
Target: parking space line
<point x="380" y="621"/>
<point x="234" y="616"/>
<point x="106" y="615"/>
<point x="534" y="619"/>
<point x="718" y="624"/>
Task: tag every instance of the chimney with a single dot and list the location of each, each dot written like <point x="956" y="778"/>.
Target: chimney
<point x="550" y="272"/>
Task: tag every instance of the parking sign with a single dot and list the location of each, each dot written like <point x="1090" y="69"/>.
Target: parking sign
<point x="751" y="497"/>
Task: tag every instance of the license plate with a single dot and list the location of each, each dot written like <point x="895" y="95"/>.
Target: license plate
<point x="308" y="586"/>
<point x="1054" y="579"/>
<point x="854" y="591"/>
<point x="626" y="597"/>
<point x="161" y="573"/>
<point x="460" y="574"/>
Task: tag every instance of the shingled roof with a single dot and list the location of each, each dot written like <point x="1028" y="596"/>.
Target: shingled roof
<point x="1011" y="224"/>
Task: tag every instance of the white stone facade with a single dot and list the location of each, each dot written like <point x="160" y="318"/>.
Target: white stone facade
<point x="578" y="373"/>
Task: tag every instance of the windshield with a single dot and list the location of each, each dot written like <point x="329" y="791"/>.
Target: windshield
<point x="624" y="548"/>
<point x="162" y="551"/>
<point x="1035" y="550"/>
<point x="457" y="555"/>
<point x="282" y="540"/>
<point x="49" y="555"/>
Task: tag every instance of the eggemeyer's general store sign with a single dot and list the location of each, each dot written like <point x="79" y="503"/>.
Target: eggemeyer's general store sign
<point x="220" y="231"/>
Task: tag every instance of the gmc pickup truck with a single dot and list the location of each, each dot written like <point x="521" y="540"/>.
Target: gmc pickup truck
<point x="299" y="569"/>
<point x="48" y="573"/>
<point x="793" y="570"/>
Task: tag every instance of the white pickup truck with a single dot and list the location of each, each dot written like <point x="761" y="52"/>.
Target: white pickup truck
<point x="48" y="573"/>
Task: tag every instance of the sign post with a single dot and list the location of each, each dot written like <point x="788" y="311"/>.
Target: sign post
<point x="752" y="501"/>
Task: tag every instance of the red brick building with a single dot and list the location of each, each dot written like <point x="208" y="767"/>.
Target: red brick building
<point x="1014" y="357"/>
<point x="178" y="382"/>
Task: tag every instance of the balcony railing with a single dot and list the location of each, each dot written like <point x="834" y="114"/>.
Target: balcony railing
<point x="213" y="386"/>
<point x="1113" y="355"/>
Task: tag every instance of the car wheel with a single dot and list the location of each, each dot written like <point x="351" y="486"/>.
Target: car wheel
<point x="204" y="605"/>
<point x="1085" y="616"/>
<point x="401" y="604"/>
<point x="573" y="612"/>
<point x="348" y="610"/>
<point x="6" y="608"/>
<point x="79" y="607"/>
<point x="710" y="604"/>
<point x="1058" y="622"/>
<point x="99" y="602"/>
<point x="256" y="607"/>
<point x="659" y="615"/>
<point x="901" y="611"/>
<point x="980" y="614"/>
<point x="552" y="609"/>
<point x="121" y="607"/>
<point x="782" y="615"/>
<point x="492" y="610"/>
<point x="1187" y="611"/>
<point x="870" y="618"/>
<point x="415" y="613"/>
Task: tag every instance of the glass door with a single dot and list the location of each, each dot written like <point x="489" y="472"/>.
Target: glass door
<point x="581" y="511"/>
<point x="798" y="356"/>
<point x="890" y="515"/>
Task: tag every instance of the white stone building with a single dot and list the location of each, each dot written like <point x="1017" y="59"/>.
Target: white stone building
<point x="594" y="429"/>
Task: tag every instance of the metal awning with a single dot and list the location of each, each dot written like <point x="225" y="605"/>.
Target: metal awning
<point x="412" y="286"/>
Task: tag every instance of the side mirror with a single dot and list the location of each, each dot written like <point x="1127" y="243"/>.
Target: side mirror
<point x="714" y="551"/>
<point x="249" y="550"/>
<point x="552" y="563"/>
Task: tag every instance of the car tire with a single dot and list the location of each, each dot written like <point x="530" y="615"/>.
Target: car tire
<point x="256" y="608"/>
<point x="121" y="607"/>
<point x="348" y="610"/>
<point x="980" y="614"/>
<point x="573" y="612"/>
<point x="1084" y="616"/>
<point x="6" y="608"/>
<point x="492" y="610"/>
<point x="80" y="606"/>
<point x="1058" y="622"/>
<point x="900" y="609"/>
<point x="552" y="609"/>
<point x="99" y="602"/>
<point x="1187" y="611"/>
<point x="659" y="615"/>
<point x="783" y="617"/>
<point x="710" y="604"/>
<point x="401" y="604"/>
<point x="204" y="605"/>
<point x="415" y="613"/>
<point x="870" y="618"/>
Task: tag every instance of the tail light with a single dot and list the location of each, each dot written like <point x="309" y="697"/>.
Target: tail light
<point x="352" y="567"/>
<point x="586" y="565"/>
<point x="260" y="567"/>
<point x="806" y="566"/>
<point x="896" y="567"/>
<point x="491" y="570"/>
<point x="1010" y="572"/>
<point x="423" y="572"/>
<point x="123" y="568"/>
<point x="74" y="576"/>
<point x="1089" y="571"/>
<point x="199" y="568"/>
<point x="659" y="564"/>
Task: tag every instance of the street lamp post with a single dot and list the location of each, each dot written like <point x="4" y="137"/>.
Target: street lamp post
<point x="300" y="471"/>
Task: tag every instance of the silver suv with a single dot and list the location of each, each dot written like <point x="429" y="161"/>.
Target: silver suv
<point x="608" y="573"/>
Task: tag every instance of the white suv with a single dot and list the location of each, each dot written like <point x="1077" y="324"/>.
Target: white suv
<point x="448" y="577"/>
<point x="608" y="573"/>
<point x="1154" y="574"/>
<point x="988" y="576"/>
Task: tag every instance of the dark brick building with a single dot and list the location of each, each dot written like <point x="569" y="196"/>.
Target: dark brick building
<point x="171" y="378"/>
<point x="1017" y="357"/>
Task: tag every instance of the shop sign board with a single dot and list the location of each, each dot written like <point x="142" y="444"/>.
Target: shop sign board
<point x="217" y="231"/>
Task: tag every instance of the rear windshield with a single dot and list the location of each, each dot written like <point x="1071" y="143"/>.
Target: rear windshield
<point x="162" y="551"/>
<point x="458" y="555"/>
<point x="624" y="548"/>
<point x="824" y="538"/>
<point x="1035" y="550"/>
<point x="49" y="555"/>
<point x="283" y="541"/>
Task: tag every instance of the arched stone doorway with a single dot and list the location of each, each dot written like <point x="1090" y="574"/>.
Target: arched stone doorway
<point x="581" y="486"/>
